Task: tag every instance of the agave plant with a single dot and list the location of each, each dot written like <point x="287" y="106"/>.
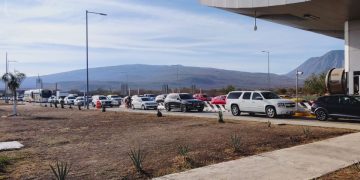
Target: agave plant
<point x="61" y="170"/>
<point x="137" y="157"/>
<point x="183" y="150"/>
<point x="236" y="142"/>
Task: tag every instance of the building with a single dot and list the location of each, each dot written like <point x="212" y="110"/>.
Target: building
<point x="335" y="18"/>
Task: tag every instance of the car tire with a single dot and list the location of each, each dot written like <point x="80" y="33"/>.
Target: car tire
<point x="235" y="111"/>
<point x="167" y="107"/>
<point x="270" y="112"/>
<point x="321" y="115"/>
<point x="183" y="108"/>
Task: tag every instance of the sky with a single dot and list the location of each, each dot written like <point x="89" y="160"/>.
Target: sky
<point x="48" y="36"/>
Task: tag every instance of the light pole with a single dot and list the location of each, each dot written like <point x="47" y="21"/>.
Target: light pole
<point x="6" y="71"/>
<point x="87" y="54"/>
<point x="268" y="58"/>
<point x="298" y="73"/>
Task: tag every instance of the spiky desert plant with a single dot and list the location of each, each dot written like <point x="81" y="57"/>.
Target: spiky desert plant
<point x="183" y="150"/>
<point x="307" y="132"/>
<point x="221" y="117"/>
<point x="268" y="124"/>
<point x="137" y="157"/>
<point x="60" y="170"/>
<point x="236" y="142"/>
<point x="4" y="162"/>
<point x="356" y="166"/>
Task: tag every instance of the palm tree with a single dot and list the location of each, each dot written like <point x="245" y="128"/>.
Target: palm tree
<point x="13" y="81"/>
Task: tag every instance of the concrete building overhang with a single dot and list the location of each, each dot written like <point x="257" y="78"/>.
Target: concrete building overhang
<point x="321" y="16"/>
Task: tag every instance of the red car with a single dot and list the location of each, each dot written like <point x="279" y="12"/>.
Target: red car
<point x="219" y="100"/>
<point x="202" y="97"/>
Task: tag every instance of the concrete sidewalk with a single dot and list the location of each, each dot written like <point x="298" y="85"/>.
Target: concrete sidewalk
<point x="300" y="162"/>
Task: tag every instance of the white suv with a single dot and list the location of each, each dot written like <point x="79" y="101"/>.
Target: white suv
<point x="144" y="103"/>
<point x="264" y="102"/>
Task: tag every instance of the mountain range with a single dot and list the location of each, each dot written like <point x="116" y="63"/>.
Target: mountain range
<point x="154" y="76"/>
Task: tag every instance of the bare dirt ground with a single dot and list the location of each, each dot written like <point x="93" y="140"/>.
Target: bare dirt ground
<point x="97" y="144"/>
<point x="349" y="173"/>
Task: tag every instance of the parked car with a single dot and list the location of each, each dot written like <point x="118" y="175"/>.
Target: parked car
<point x="52" y="99"/>
<point x="336" y="106"/>
<point x="202" y="97"/>
<point x="115" y="100"/>
<point x="263" y="102"/>
<point x="184" y="101"/>
<point x="103" y="100"/>
<point x="69" y="100"/>
<point x="79" y="101"/>
<point x="220" y="100"/>
<point x="139" y="102"/>
<point x="151" y="96"/>
<point x="160" y="98"/>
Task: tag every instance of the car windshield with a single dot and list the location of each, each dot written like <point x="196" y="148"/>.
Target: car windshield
<point x="145" y="99"/>
<point x="102" y="98"/>
<point x="270" y="95"/>
<point x="186" y="96"/>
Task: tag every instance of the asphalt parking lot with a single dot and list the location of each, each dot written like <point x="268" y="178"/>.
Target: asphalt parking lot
<point x="343" y="123"/>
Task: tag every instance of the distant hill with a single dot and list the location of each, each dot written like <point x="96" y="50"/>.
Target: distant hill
<point x="318" y="65"/>
<point x="154" y="76"/>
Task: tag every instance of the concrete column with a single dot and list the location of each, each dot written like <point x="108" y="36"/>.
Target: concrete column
<point x="352" y="52"/>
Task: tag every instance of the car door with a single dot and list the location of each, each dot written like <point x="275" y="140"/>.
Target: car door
<point x="257" y="102"/>
<point x="245" y="104"/>
<point x="349" y="106"/>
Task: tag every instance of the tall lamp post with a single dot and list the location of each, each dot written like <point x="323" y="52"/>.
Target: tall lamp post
<point x="268" y="61"/>
<point x="87" y="54"/>
<point x="6" y="71"/>
<point x="298" y="73"/>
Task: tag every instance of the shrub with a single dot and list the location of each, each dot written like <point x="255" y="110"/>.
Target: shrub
<point x="356" y="166"/>
<point x="137" y="157"/>
<point x="221" y="117"/>
<point x="307" y="132"/>
<point x="4" y="162"/>
<point x="236" y="143"/>
<point x="61" y="170"/>
<point x="268" y="124"/>
<point x="183" y="150"/>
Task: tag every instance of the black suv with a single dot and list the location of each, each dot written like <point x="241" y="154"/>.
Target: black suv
<point x="336" y="106"/>
<point x="184" y="101"/>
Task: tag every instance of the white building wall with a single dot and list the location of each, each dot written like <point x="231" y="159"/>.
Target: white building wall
<point x="352" y="51"/>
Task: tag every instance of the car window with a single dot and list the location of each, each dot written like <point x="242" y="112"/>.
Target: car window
<point x="234" y="95"/>
<point x="247" y="95"/>
<point x="102" y="98"/>
<point x="255" y="96"/>
<point x="145" y="99"/>
<point x="185" y="96"/>
<point x="345" y="100"/>
<point x="270" y="95"/>
<point x="330" y="99"/>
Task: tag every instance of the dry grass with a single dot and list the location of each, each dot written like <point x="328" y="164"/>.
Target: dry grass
<point x="348" y="173"/>
<point x="97" y="144"/>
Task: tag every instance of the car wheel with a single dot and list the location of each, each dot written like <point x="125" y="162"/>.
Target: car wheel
<point x="167" y="107"/>
<point x="183" y="108"/>
<point x="270" y="112"/>
<point x="321" y="115"/>
<point x="235" y="110"/>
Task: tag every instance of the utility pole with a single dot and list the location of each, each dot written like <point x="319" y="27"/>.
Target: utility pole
<point x="6" y="71"/>
<point x="298" y="73"/>
<point x="268" y="64"/>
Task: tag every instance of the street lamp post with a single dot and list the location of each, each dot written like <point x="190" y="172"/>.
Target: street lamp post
<point x="87" y="54"/>
<point x="268" y="61"/>
<point x="298" y="73"/>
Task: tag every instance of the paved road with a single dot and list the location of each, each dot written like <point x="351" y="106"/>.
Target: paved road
<point x="346" y="124"/>
<point x="300" y="162"/>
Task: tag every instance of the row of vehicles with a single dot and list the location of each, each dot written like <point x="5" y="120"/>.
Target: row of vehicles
<point x="73" y="99"/>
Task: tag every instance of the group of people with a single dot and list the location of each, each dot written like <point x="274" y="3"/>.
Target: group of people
<point x="127" y="101"/>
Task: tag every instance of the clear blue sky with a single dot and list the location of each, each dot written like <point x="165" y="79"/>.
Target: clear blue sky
<point x="48" y="36"/>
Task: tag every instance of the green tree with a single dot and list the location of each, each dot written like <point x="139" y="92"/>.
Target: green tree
<point x="315" y="84"/>
<point x="228" y="89"/>
<point x="13" y="81"/>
